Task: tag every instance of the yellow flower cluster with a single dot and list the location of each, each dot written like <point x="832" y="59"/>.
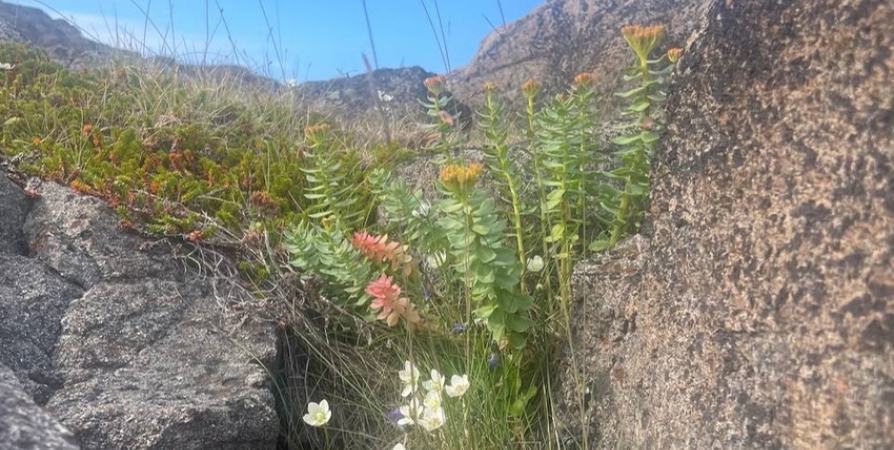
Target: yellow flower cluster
<point x="456" y="176"/>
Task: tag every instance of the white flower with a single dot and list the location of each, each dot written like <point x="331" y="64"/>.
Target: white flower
<point x="291" y="82"/>
<point x="399" y="446"/>
<point x="436" y="383"/>
<point x="411" y="412"/>
<point x="317" y="414"/>
<point x="6" y="66"/>
<point x="385" y="97"/>
<point x="409" y="378"/>
<point x="422" y="210"/>
<point x="535" y="264"/>
<point x="432" y="419"/>
<point x="458" y="386"/>
<point x="432" y="400"/>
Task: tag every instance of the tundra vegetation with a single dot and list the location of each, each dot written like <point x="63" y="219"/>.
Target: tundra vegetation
<point x="430" y="322"/>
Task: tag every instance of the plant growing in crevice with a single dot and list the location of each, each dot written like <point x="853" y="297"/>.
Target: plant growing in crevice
<point x="627" y="204"/>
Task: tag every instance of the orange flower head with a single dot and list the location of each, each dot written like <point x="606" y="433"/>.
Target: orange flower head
<point x="389" y="303"/>
<point x="643" y="39"/>
<point x="490" y="87"/>
<point x="379" y="249"/>
<point x="446" y="118"/>
<point x="316" y="134"/>
<point x="584" y="80"/>
<point x="531" y="88"/>
<point x="674" y="54"/>
<point x="435" y="84"/>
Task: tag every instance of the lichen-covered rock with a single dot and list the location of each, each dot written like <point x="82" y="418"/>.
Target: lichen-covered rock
<point x="759" y="311"/>
<point x="23" y="424"/>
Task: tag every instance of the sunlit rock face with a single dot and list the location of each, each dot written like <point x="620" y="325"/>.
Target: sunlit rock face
<point x="757" y="308"/>
<point x="563" y="38"/>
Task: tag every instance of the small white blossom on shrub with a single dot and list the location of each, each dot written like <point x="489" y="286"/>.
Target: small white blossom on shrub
<point x="399" y="446"/>
<point x="458" y="386"/>
<point x="318" y="414"/>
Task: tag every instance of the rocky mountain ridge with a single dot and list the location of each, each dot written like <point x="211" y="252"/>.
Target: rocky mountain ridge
<point x="552" y="44"/>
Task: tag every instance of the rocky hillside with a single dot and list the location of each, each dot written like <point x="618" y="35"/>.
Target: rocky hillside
<point x="62" y="41"/>
<point x="562" y="38"/>
<point x="553" y="43"/>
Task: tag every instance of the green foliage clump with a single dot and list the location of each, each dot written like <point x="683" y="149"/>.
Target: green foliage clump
<point x="495" y="264"/>
<point x="182" y="154"/>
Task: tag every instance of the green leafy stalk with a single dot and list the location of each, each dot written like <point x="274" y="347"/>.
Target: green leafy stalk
<point x="498" y="161"/>
<point x="627" y="206"/>
<point x="475" y="232"/>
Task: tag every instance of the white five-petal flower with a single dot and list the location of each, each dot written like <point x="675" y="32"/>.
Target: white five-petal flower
<point x="432" y="400"/>
<point x="436" y="383"/>
<point x="535" y="264"/>
<point x="409" y="377"/>
<point x="458" y="386"/>
<point x="432" y="419"/>
<point x="411" y="412"/>
<point x="317" y="413"/>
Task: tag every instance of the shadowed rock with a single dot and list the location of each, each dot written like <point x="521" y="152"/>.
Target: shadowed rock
<point x="758" y="310"/>
<point x="12" y="215"/>
<point x="24" y="425"/>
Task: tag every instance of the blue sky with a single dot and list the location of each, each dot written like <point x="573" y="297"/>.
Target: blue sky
<point x="315" y="39"/>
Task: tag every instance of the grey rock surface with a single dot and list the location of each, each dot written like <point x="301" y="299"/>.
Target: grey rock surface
<point x="563" y="38"/>
<point x="13" y="210"/>
<point x="353" y="101"/>
<point x="758" y="312"/>
<point x="33" y="301"/>
<point x="25" y="425"/>
<point x="125" y="345"/>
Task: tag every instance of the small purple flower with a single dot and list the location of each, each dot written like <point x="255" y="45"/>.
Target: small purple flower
<point x="459" y="328"/>
<point x="494" y="361"/>
<point x="395" y="414"/>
